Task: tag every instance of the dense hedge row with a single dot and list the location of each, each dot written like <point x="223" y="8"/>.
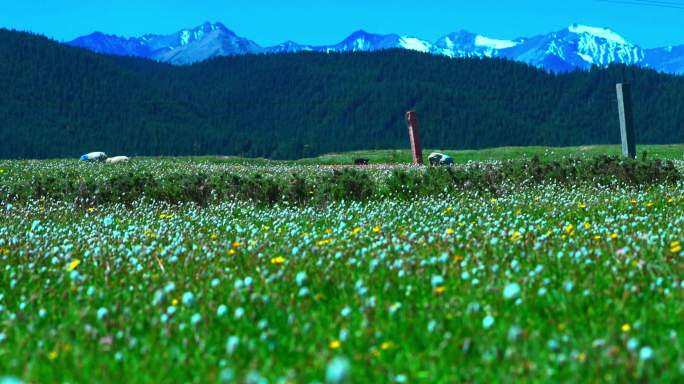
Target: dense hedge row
<point x="345" y="184"/>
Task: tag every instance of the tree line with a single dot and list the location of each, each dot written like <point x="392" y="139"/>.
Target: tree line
<point x="61" y="101"/>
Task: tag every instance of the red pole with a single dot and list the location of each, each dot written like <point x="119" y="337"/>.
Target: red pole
<point x="414" y="135"/>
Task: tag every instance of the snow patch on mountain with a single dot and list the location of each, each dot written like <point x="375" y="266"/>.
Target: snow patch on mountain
<point x="360" y="44"/>
<point x="414" y="44"/>
<point x="586" y="58"/>
<point x="482" y="41"/>
<point x="449" y="44"/>
<point x="185" y="37"/>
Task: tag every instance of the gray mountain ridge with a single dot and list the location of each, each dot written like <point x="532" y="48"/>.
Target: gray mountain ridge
<point x="575" y="47"/>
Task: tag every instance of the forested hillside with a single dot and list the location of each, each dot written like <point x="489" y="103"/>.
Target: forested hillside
<point x="60" y="101"/>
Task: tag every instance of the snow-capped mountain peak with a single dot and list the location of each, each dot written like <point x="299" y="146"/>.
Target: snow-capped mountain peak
<point x="365" y="41"/>
<point x="466" y="44"/>
<point x="602" y="33"/>
<point x="184" y="47"/>
<point x="582" y="46"/>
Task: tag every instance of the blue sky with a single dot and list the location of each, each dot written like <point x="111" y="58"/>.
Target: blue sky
<point x="269" y="22"/>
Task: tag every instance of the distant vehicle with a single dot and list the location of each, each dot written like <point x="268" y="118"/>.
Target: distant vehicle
<point x="361" y="161"/>
<point x="94" y="156"/>
<point x="437" y="158"/>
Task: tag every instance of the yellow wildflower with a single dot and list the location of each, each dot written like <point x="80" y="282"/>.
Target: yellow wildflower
<point x="323" y="242"/>
<point x="439" y="290"/>
<point x="587" y="225"/>
<point x="335" y="344"/>
<point x="581" y="206"/>
<point x="450" y="231"/>
<point x="448" y="210"/>
<point x="676" y="247"/>
<point x="52" y="355"/>
<point x="516" y="236"/>
<point x="214" y="236"/>
<point x="649" y="205"/>
<point x="386" y="345"/>
<point x="356" y="230"/>
<point x="236" y="244"/>
<point x="570" y="229"/>
<point x="174" y="302"/>
<point x="231" y="252"/>
<point x="74" y="263"/>
<point x="278" y="260"/>
<point x="376" y="229"/>
<point x="91" y="209"/>
<point x="626" y="327"/>
<point x="613" y="236"/>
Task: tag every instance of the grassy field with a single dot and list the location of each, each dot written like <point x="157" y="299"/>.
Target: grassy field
<point x="673" y="152"/>
<point x="403" y="156"/>
<point x="543" y="282"/>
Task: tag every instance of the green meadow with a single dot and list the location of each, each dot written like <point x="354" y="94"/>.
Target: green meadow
<point x="517" y="265"/>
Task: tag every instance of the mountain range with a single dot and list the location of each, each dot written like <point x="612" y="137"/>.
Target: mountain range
<point x="575" y="47"/>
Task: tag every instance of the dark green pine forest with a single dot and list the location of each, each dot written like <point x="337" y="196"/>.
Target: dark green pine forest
<point x="59" y="101"/>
